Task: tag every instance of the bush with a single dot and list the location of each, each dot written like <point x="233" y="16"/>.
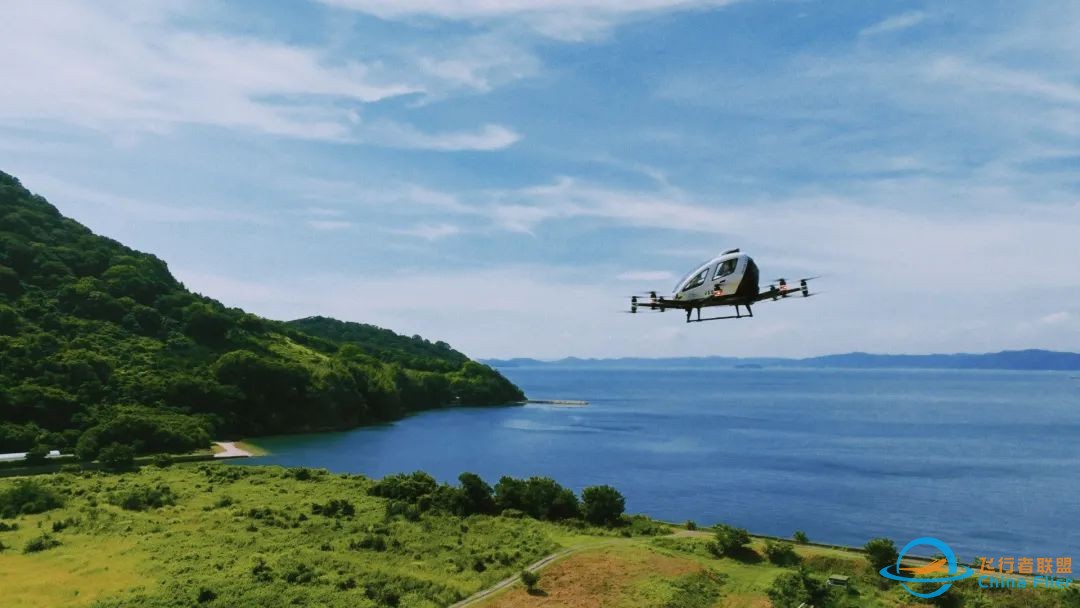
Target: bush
<point x="881" y="552"/>
<point x="41" y="543"/>
<point x="37" y="455"/>
<point x="602" y="505"/>
<point x="529" y="579"/>
<point x="729" y="539"/>
<point x="117" y="457"/>
<point x="792" y="589"/>
<point x="539" y="497"/>
<point x="691" y="524"/>
<point x="162" y="461"/>
<point x="800" y="537"/>
<point x="334" y="508"/>
<point x="143" y="498"/>
<point x="27" y="497"/>
<point x="476" y="495"/>
<point x="409" y="487"/>
<point x="781" y="554"/>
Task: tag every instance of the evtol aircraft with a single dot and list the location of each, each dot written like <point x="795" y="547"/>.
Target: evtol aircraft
<point x="729" y="279"/>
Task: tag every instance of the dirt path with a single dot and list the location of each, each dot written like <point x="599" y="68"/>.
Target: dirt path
<point x="534" y="567"/>
<point x="229" y="450"/>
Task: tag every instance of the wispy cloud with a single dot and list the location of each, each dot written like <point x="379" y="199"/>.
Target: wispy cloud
<point x="328" y="225"/>
<point x="397" y="135"/>
<point x="571" y="20"/>
<point x="895" y="23"/>
<point x="429" y="232"/>
<point x="129" y="69"/>
<point x="646" y="275"/>
<point x="79" y="198"/>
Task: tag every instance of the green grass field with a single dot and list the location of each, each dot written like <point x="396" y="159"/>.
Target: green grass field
<point x="209" y="534"/>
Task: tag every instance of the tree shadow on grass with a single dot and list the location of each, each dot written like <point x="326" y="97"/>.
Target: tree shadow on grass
<point x="745" y="555"/>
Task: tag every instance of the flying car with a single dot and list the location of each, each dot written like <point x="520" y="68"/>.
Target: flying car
<point x="729" y="279"/>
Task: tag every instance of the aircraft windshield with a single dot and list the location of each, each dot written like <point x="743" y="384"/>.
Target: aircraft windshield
<point x="683" y="280"/>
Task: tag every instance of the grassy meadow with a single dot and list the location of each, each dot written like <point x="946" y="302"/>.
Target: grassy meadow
<point x="210" y="534"/>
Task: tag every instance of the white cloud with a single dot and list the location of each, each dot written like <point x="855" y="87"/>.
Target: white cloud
<point x="75" y="199"/>
<point x="869" y="235"/>
<point x="488" y="137"/>
<point x="1055" y="318"/>
<point x="646" y="275"/>
<point x="895" y="23"/>
<point x="430" y="232"/>
<point x="570" y="20"/>
<point x="328" y="225"/>
<point x="129" y="68"/>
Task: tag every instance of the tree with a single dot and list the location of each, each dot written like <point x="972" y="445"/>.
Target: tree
<point x="88" y="446"/>
<point x="729" y="539"/>
<point x="37" y="455"/>
<point x="800" y="537"/>
<point x="780" y="553"/>
<point x="881" y="552"/>
<point x="529" y="579"/>
<point x="602" y="505"/>
<point x="476" y="495"/>
<point x="792" y="589"/>
<point x="117" y="456"/>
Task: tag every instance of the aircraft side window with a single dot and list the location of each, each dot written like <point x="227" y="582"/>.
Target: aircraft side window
<point x="697" y="280"/>
<point x="726" y="268"/>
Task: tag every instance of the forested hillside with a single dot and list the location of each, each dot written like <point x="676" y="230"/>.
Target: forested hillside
<point x="99" y="344"/>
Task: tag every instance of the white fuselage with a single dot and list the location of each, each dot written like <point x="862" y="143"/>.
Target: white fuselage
<point x="719" y="276"/>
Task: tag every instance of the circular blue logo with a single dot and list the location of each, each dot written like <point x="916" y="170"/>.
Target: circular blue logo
<point x="946" y="566"/>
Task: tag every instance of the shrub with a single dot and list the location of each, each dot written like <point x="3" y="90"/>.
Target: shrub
<point x="37" y="455"/>
<point x="142" y="498"/>
<point x="117" y="456"/>
<point x="602" y="505"/>
<point x="800" y="537"/>
<point x="781" y="554"/>
<point x="27" y="497"/>
<point x="881" y="552"/>
<point x="6" y="527"/>
<point x="375" y="542"/>
<point x="409" y="487"/>
<point x="301" y="574"/>
<point x="539" y="497"/>
<point x="41" y="543"/>
<point x="262" y="571"/>
<point x="476" y="495"/>
<point x="62" y="524"/>
<point x="729" y="539"/>
<point x="334" y="508"/>
<point x="206" y="595"/>
<point x="529" y="579"/>
<point x="163" y="461"/>
<point x="792" y="589"/>
<point x="691" y="524"/>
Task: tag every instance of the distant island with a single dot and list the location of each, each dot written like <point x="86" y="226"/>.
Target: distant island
<point x="1031" y="360"/>
<point x="101" y="345"/>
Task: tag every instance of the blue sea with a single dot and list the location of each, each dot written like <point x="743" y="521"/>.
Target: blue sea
<point x="984" y="460"/>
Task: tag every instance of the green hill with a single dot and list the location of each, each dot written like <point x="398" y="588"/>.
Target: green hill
<point x="99" y="343"/>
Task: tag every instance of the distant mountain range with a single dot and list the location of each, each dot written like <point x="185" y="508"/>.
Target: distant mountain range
<point x="1005" y="360"/>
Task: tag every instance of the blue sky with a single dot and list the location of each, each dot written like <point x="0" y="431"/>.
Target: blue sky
<point x="500" y="174"/>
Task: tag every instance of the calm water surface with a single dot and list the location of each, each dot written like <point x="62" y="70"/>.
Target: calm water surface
<point x="986" y="461"/>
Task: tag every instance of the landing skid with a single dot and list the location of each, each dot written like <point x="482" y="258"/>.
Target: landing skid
<point x="737" y="315"/>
